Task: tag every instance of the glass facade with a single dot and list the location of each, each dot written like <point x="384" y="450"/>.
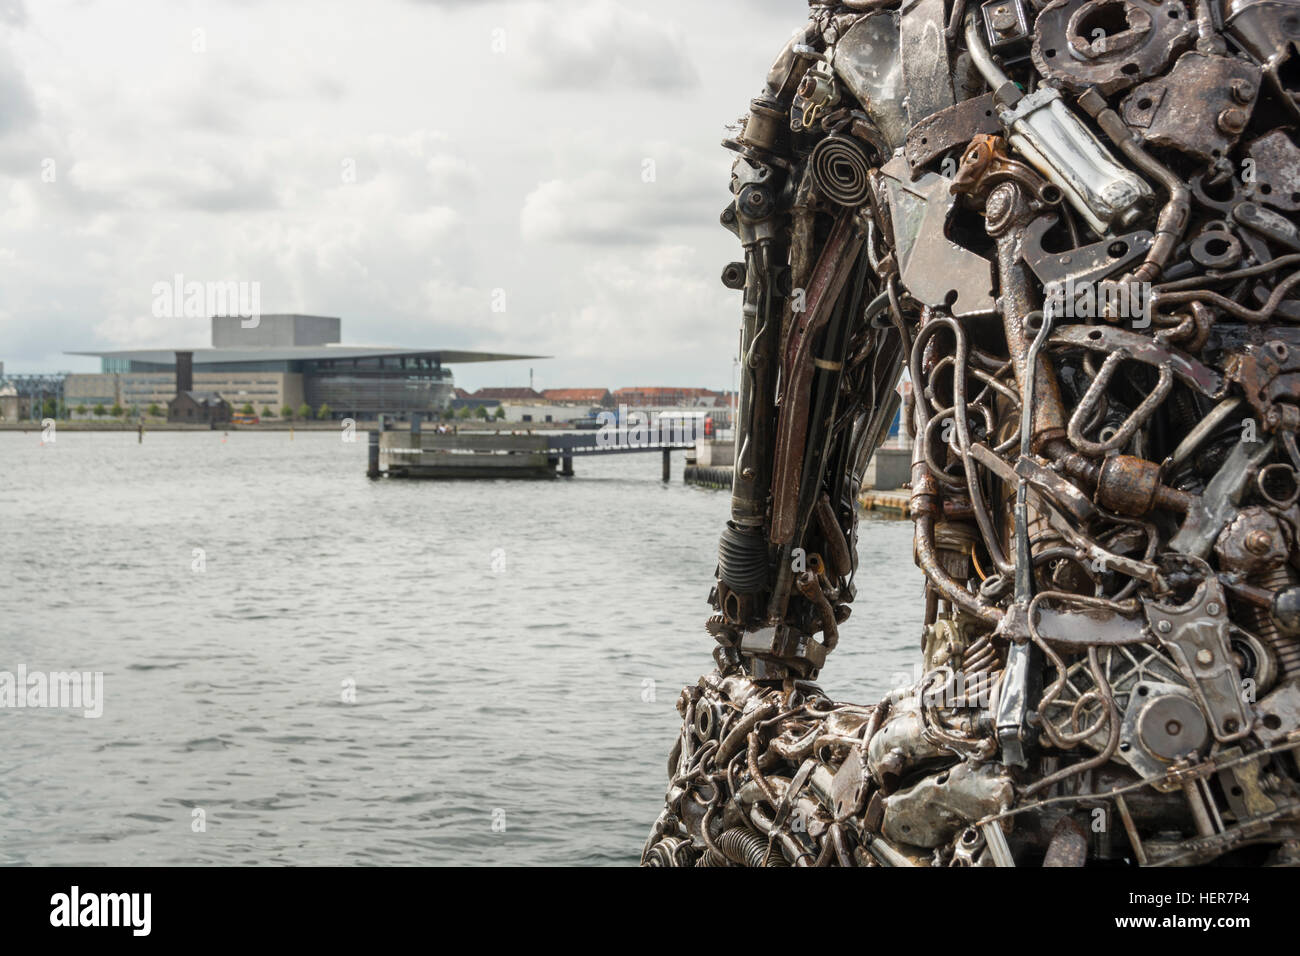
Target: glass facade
<point x="353" y="387"/>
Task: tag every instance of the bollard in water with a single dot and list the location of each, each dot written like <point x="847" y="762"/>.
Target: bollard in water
<point x="668" y="464"/>
<point x="373" y="470"/>
<point x="139" y="433"/>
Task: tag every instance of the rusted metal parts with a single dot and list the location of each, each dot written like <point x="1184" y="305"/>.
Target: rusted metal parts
<point x="1109" y="45"/>
<point x="1076" y="226"/>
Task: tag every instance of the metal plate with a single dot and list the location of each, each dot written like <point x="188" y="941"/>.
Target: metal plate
<point x="950" y="128"/>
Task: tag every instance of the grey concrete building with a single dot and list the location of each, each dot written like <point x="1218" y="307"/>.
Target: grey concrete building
<point x="287" y="360"/>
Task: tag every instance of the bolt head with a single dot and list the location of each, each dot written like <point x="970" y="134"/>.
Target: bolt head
<point x="1259" y="542"/>
<point x="1164" y="627"/>
<point x="1205" y="657"/>
<point x="1233" y="120"/>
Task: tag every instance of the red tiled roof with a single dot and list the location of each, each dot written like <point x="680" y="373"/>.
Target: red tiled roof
<point x="502" y="394"/>
<point x="656" y="395"/>
<point x="595" y="395"/>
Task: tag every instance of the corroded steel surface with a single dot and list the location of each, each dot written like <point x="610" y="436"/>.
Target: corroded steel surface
<point x="1074" y="225"/>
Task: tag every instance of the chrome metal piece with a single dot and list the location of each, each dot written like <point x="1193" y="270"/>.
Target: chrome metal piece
<point x="1056" y="143"/>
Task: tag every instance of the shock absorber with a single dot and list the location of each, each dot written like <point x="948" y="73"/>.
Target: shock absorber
<point x="1254" y="546"/>
<point x="1285" y="646"/>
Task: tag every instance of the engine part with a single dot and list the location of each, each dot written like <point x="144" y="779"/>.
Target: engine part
<point x="950" y="129"/>
<point x="1274" y="170"/>
<point x="1056" y="143"/>
<point x="930" y="813"/>
<point x="1109" y="44"/>
<point x="1201" y="107"/>
<point x="1082" y="266"/>
<point x="841" y="169"/>
<point x="1006" y="26"/>
<point x="1196" y="635"/>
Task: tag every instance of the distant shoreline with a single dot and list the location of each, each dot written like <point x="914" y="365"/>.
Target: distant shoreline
<point x="315" y="426"/>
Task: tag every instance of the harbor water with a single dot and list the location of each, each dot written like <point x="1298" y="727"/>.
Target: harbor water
<point x="301" y="666"/>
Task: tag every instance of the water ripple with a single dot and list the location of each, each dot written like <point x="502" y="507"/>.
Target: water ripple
<point x="347" y="679"/>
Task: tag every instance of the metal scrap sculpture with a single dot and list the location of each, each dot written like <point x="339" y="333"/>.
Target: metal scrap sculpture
<point x="1074" y="224"/>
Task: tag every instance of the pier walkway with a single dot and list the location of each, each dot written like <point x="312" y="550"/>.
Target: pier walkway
<point x="422" y="454"/>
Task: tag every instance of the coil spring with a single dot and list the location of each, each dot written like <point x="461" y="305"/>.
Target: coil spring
<point x="742" y="845"/>
<point x="980" y="655"/>
<point x="840" y="168"/>
<point x="669" y="852"/>
<point x="1286" y="647"/>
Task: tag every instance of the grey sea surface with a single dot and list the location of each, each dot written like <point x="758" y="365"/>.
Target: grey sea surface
<point x="301" y="666"/>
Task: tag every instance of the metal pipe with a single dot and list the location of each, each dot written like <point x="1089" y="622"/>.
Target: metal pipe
<point x="1172" y="221"/>
<point x="927" y="560"/>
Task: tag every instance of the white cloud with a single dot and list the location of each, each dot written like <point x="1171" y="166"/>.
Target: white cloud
<point x="626" y="194"/>
<point x="600" y="45"/>
<point x="470" y="172"/>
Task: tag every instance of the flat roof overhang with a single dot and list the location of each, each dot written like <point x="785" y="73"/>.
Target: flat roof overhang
<point x="313" y="353"/>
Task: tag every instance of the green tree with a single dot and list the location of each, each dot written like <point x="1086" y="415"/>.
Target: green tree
<point x="81" y="409"/>
<point x="100" y="410"/>
<point x="464" y="412"/>
<point x="154" y="410"/>
<point x="323" y="412"/>
<point x="500" y="413"/>
<point x="304" y="411"/>
<point x="481" y="412"/>
<point x="267" y="412"/>
<point x="286" y="412"/>
<point x="247" y="409"/>
<point x="117" y="411"/>
<point x="49" y="408"/>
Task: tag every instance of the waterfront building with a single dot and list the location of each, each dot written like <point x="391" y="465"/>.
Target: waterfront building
<point x="284" y="361"/>
<point x="579" y="396"/>
<point x="670" y="397"/>
<point x="198" y="408"/>
<point x="510" y="395"/>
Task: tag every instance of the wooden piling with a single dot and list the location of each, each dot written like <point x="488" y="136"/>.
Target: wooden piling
<point x="372" y="471"/>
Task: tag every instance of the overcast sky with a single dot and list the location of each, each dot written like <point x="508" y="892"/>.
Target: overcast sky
<point x="404" y="164"/>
